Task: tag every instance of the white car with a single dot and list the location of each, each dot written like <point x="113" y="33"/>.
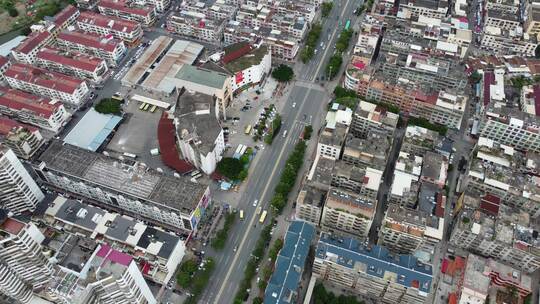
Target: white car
<point x="294" y="105"/>
<point x="284" y="133"/>
<point x="255" y="202"/>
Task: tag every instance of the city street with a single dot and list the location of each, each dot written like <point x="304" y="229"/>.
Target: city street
<point x="311" y="100"/>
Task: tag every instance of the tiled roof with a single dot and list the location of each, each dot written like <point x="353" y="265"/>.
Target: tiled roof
<point x="7" y="125"/>
<point x="65" y="14"/>
<point x="378" y="260"/>
<point x="167" y="146"/>
<point x="3" y="60"/>
<point x="89" y="40"/>
<point x="43" y="78"/>
<point x="32" y="41"/>
<point x="76" y="60"/>
<point x="115" y="24"/>
<point x="19" y="100"/>
<point x="123" y="6"/>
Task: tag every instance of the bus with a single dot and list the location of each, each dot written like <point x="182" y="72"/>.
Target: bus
<point x="247" y="131"/>
<point x="242" y="215"/>
<point x="146" y="107"/>
<point x="347" y="24"/>
<point x="263" y="216"/>
<point x="153" y="109"/>
<point x="142" y="106"/>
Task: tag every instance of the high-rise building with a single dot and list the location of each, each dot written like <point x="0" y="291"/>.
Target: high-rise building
<point x="23" y="267"/>
<point x="18" y="191"/>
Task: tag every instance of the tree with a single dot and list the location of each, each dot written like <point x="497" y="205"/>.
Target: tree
<point x="307" y="132"/>
<point x="258" y="300"/>
<point x="341" y="92"/>
<point x="334" y="65"/>
<point x="230" y="168"/>
<point x="108" y="106"/>
<point x="12" y="11"/>
<point x="475" y="77"/>
<point x="283" y="73"/>
<point x="326" y="8"/>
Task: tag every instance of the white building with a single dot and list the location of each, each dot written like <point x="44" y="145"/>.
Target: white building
<point x="74" y="64"/>
<point x="128" y="31"/>
<point x="249" y="66"/>
<point x="23" y="267"/>
<point x="27" y="50"/>
<point x="198" y="131"/>
<point x="46" y="83"/>
<point x="23" y="140"/>
<point x="18" y="191"/>
<point x="102" y="47"/>
<point x="31" y="109"/>
<point x="146" y="15"/>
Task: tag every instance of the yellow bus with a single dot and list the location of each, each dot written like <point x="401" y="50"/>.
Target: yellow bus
<point x="263" y="216"/>
<point x="153" y="109"/>
<point x="247" y="130"/>
<point x="241" y="214"/>
<point x="142" y="106"/>
<point x="146" y="107"/>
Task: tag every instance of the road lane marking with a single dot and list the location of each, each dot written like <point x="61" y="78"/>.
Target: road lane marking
<point x="283" y="148"/>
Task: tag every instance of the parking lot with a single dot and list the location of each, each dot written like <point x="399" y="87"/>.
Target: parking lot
<point x="138" y="134"/>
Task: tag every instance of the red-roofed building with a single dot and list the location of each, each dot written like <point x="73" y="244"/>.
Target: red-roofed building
<point x="167" y="146"/>
<point x="74" y="64"/>
<point x="23" y="139"/>
<point x="490" y="204"/>
<point x="32" y="109"/>
<point x="145" y="15"/>
<point x="46" y="83"/>
<point x="27" y="50"/>
<point x="108" y="49"/>
<point x="4" y="65"/>
<point x="128" y="31"/>
<point x="66" y="17"/>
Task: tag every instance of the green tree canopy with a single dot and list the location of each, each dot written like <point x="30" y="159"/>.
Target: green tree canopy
<point x="108" y="106"/>
<point x="230" y="168"/>
<point x="283" y="73"/>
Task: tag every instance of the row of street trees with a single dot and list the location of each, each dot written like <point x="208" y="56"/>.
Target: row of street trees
<point x="311" y="43"/>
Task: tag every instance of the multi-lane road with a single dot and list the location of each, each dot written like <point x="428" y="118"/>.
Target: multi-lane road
<point x="310" y="99"/>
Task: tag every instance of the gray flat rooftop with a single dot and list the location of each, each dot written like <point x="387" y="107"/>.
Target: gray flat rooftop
<point x="133" y="178"/>
<point x="80" y="214"/>
<point x="196" y="118"/>
<point x="202" y="76"/>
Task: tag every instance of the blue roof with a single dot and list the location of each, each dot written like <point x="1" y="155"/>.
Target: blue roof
<point x="378" y="261"/>
<point x="290" y="264"/>
<point x="92" y="130"/>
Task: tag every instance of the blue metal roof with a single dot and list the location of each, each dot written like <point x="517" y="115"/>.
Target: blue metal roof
<point x="408" y="270"/>
<point x="92" y="130"/>
<point x="290" y="263"/>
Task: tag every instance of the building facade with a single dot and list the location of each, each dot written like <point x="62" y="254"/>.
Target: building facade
<point x="72" y="63"/>
<point x="19" y="192"/>
<point x="22" y="139"/>
<point x="108" y="49"/>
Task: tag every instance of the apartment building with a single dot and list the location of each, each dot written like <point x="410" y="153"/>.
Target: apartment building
<point x="53" y="85"/>
<point x="34" y="110"/>
<point x="435" y="9"/>
<point x="196" y="25"/>
<point x="19" y="192"/>
<point x="117" y="279"/>
<point x="532" y="23"/>
<point x="347" y="213"/>
<point x="159" y="252"/>
<point x="502" y="19"/>
<point x="500" y="42"/>
<point x="130" y="32"/>
<point x="487" y="230"/>
<point x="372" y="271"/>
<point x="419" y="141"/>
<point x="72" y="63"/>
<point x="359" y="179"/>
<point x="371" y="151"/>
<point x="23" y="140"/>
<point x="507" y="173"/>
<point x="102" y="47"/>
<point x="130" y="188"/>
<point x="145" y="15"/>
<point x="331" y="141"/>
<point x="309" y="204"/>
<point x="24" y="268"/>
<point x="199" y="133"/>
<point x="66" y="17"/>
<point x="249" y="65"/>
<point x="406" y="181"/>
<point x="27" y="50"/>
<point x="4" y="65"/>
<point x="511" y="126"/>
<point x="160" y="5"/>
<point x="368" y="116"/>
<point x="217" y="11"/>
<point x="281" y="45"/>
<point x="405" y="230"/>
